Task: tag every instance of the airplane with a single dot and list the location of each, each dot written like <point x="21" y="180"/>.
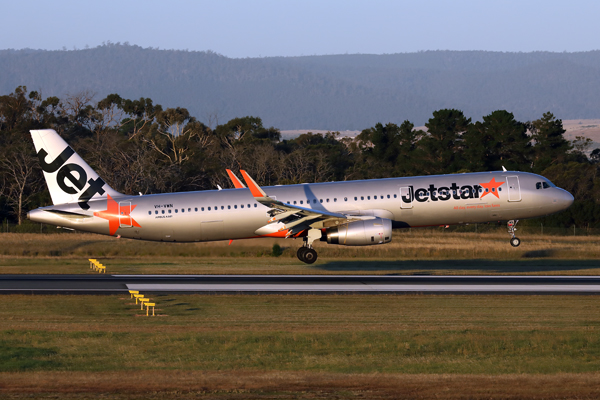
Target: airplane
<point x="350" y="213"/>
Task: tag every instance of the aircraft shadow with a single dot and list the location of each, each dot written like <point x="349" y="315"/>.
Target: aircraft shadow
<point x="429" y="267"/>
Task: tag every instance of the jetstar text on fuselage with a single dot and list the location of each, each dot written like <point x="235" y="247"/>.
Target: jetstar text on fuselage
<point x="444" y="193"/>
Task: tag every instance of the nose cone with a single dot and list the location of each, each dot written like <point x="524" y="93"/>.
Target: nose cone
<point x="563" y="199"/>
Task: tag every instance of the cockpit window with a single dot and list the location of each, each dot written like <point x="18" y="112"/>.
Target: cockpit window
<point x="545" y="185"/>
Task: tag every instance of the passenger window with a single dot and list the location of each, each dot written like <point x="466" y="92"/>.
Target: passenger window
<point x="248" y="205"/>
<point x="208" y="208"/>
<point x="156" y="212"/>
<point x="183" y="210"/>
<point x="355" y="198"/>
<point x="314" y="201"/>
<point x="321" y="200"/>
<point x="201" y="208"/>
<point x="254" y="205"/>
<point x="229" y="207"/>
<point x="334" y="200"/>
<point x="162" y="211"/>
<point x="176" y="211"/>
<point x="235" y="206"/>
<point x="388" y="196"/>
<point x="196" y="209"/>
<point x="189" y="210"/>
<point x="241" y="205"/>
<point x="149" y="212"/>
<point x="395" y="196"/>
<point x="362" y="197"/>
<point x="368" y="197"/>
<point x="169" y="211"/>
<point x="345" y="199"/>
<point x="294" y="201"/>
<point x="327" y="200"/>
<point x="222" y="207"/>
<point x="301" y="202"/>
<point x="374" y="197"/>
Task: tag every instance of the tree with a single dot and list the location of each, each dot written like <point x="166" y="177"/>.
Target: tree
<point x="498" y="141"/>
<point x="550" y="145"/>
<point x="442" y="146"/>
<point x="22" y="177"/>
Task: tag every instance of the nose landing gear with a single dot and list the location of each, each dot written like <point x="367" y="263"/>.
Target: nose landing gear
<point x="514" y="241"/>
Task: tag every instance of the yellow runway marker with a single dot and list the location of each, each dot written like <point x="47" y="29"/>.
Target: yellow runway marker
<point x="148" y="305"/>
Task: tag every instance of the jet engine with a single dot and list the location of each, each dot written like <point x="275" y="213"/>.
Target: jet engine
<point x="360" y="233"/>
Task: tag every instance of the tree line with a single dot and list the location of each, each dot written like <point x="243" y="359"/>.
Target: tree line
<point x="138" y="146"/>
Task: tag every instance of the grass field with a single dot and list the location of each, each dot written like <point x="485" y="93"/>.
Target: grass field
<point x="300" y="346"/>
<point x="411" y="252"/>
<point x="313" y="347"/>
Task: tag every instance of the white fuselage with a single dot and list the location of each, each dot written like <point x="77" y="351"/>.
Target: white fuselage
<point x="234" y="213"/>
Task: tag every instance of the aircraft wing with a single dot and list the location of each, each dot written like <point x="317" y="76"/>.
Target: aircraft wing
<point x="285" y="216"/>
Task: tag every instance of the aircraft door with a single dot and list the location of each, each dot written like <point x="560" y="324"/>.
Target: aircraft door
<point x="406" y="197"/>
<point x="124" y="217"/>
<point x="514" y="190"/>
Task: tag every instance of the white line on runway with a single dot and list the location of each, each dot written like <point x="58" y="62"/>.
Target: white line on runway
<point x="357" y="287"/>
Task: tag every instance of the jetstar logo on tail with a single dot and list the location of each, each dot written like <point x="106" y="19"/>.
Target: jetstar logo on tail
<point x="117" y="215"/>
<point x="65" y="173"/>
<point x="444" y="193"/>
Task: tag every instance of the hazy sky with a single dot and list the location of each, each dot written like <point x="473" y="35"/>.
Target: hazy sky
<point x="247" y="28"/>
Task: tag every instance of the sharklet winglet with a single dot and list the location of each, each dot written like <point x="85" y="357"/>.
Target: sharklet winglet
<point x="253" y="186"/>
<point x="234" y="179"/>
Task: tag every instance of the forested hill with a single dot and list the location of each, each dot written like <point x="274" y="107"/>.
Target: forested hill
<point x="320" y="92"/>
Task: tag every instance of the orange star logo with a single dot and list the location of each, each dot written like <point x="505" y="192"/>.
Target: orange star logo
<point x="491" y="187"/>
<point x="114" y="218"/>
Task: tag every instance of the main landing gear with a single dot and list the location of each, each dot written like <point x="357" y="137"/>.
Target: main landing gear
<point x="512" y="227"/>
<point x="306" y="253"/>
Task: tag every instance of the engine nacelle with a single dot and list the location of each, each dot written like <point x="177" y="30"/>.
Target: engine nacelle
<point x="361" y="233"/>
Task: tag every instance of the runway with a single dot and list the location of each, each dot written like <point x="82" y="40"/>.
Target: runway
<point x="298" y="284"/>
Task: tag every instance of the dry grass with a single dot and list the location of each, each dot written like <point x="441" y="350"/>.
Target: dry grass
<point x="416" y="251"/>
<point x="294" y="385"/>
<point x="448" y="347"/>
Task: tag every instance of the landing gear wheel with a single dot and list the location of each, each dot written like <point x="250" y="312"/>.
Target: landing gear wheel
<point x="512" y="227"/>
<point x="310" y="256"/>
<point x="301" y="252"/>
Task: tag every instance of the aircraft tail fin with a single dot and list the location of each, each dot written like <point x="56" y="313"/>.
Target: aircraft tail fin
<point x="69" y="178"/>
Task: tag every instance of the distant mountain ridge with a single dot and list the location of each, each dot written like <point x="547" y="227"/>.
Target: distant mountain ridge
<point x="337" y="92"/>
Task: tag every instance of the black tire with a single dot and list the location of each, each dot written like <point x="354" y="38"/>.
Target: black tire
<point x="310" y="256"/>
<point x="300" y="253"/>
<point x="515" y="242"/>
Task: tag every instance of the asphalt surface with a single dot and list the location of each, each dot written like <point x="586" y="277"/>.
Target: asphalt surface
<point x="298" y="284"/>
